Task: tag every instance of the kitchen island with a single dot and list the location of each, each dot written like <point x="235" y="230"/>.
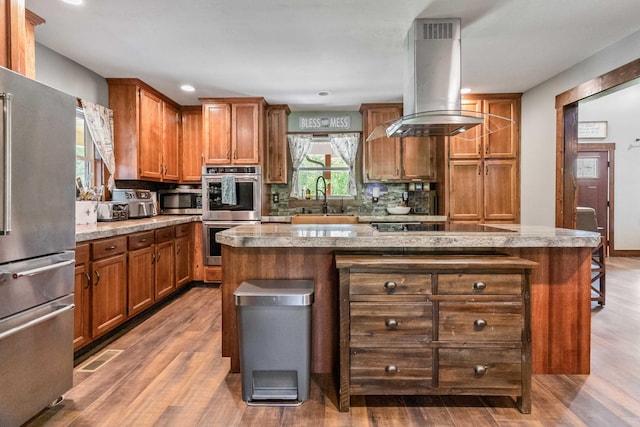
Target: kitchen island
<point x="560" y="285"/>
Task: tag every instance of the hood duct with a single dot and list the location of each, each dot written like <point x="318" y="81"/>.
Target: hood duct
<point x="432" y="104"/>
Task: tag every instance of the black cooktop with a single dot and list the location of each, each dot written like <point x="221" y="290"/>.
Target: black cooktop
<point x="417" y="226"/>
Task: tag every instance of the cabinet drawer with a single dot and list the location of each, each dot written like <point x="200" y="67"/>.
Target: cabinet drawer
<point x="141" y="240"/>
<point x="183" y="230"/>
<point x="107" y="247"/>
<point x="380" y="324"/>
<point x="164" y="234"/>
<point x="391" y="370"/>
<point x="479" y="284"/>
<point x="471" y="368"/>
<point x="82" y="253"/>
<point x="389" y="284"/>
<point x="480" y="321"/>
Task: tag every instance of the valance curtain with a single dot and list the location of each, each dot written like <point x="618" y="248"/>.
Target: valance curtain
<point x="347" y="146"/>
<point x="299" y="145"/>
<point x="99" y="120"/>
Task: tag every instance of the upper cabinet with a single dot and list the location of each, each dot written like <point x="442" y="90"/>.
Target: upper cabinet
<point x="146" y="132"/>
<point x="233" y="130"/>
<point x="191" y="144"/>
<point x="17" y="38"/>
<point x="276" y="156"/>
<point x="395" y="159"/>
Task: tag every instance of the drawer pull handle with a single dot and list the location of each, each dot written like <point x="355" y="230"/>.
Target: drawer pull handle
<point x="143" y="240"/>
<point x="391" y="369"/>
<point x="480" y="370"/>
<point x="479" y="286"/>
<point x="110" y="248"/>
<point x="480" y="323"/>
<point x="391" y="323"/>
<point x="390" y="286"/>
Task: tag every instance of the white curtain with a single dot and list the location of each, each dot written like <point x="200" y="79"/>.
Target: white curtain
<point x="347" y="146"/>
<point x="100" y="123"/>
<point x="299" y="145"/>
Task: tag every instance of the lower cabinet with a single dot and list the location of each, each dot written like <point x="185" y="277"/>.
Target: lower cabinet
<point x="446" y="324"/>
<point x="165" y="272"/>
<point x="82" y="281"/>
<point x="141" y="272"/>
<point x="183" y="244"/>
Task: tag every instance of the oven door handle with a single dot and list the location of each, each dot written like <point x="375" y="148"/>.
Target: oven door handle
<point x="217" y="179"/>
<point x="59" y="310"/>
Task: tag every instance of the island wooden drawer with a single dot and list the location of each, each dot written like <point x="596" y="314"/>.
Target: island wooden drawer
<point x="141" y="240"/>
<point x="107" y="247"/>
<point x="480" y="368"/>
<point x="391" y="370"/>
<point x="386" y="324"/>
<point x="389" y="284"/>
<point x="480" y="321"/>
<point x="479" y="284"/>
<point x="183" y="230"/>
<point x="164" y="234"/>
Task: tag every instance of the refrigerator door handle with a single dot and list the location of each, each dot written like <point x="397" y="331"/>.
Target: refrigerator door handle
<point x="40" y="270"/>
<point x="6" y="141"/>
<point x="61" y="309"/>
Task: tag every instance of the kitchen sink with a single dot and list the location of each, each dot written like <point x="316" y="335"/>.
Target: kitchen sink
<point x="336" y="218"/>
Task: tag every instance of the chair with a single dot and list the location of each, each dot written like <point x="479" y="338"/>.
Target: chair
<point x="586" y="220"/>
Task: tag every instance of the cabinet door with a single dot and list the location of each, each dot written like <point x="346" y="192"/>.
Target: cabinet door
<point x="419" y="158"/>
<point x="171" y="130"/>
<point x="502" y="142"/>
<point x="501" y="202"/>
<point x="183" y="261"/>
<point x="141" y="279"/>
<point x="277" y="153"/>
<point x="150" y="144"/>
<point x="217" y="133"/>
<point x="108" y="293"/>
<point x="465" y="190"/>
<point x="165" y="269"/>
<point x="245" y="133"/>
<point x="191" y="146"/>
<point x="381" y="155"/>
<point x="81" y="327"/>
<point x="469" y="144"/>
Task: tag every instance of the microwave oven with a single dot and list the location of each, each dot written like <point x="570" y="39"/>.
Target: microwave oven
<point x="180" y="201"/>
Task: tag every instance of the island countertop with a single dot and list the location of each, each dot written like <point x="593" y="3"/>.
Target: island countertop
<point x="348" y="236"/>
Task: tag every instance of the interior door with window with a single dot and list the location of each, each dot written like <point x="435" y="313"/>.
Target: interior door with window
<point x="592" y="180"/>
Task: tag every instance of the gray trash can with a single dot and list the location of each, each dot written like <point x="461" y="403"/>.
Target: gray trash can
<point x="274" y="330"/>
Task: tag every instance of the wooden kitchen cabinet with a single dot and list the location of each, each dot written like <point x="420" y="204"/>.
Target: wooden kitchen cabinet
<point x="183" y="244"/>
<point x="425" y="325"/>
<point x="165" y="276"/>
<point x="146" y="132"/>
<point x="276" y="159"/>
<point x="191" y="144"/>
<point x="233" y="130"/>
<point x="81" y="297"/>
<point x="17" y="37"/>
<point x="141" y="272"/>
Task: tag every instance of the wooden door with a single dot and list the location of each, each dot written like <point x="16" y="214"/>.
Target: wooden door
<point x="108" y="293"/>
<point x="276" y="147"/>
<point x="170" y="138"/>
<point x="81" y="327"/>
<point x="191" y="145"/>
<point x="150" y="143"/>
<point x="501" y="203"/>
<point x="165" y="269"/>
<point x="245" y="133"/>
<point x="419" y="158"/>
<point x="183" y="260"/>
<point x="592" y="180"/>
<point x="141" y="279"/>
<point x="465" y="190"/>
<point x="500" y="140"/>
<point x="382" y="155"/>
<point x="469" y="144"/>
<point x="217" y="133"/>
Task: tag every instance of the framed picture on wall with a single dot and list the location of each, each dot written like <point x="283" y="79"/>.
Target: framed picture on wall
<point x="592" y="130"/>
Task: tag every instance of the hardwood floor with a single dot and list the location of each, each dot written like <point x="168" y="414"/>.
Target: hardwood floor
<point x="170" y="373"/>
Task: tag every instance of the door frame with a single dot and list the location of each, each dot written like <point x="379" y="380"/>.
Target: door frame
<point x="610" y="148"/>
<point x="567" y="140"/>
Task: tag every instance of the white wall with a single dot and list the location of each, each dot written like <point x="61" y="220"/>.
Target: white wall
<point x="538" y="130"/>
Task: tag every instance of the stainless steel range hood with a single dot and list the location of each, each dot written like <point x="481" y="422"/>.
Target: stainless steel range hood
<point x="432" y="105"/>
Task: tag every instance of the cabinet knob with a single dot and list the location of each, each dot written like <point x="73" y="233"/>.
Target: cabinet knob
<point x="391" y="323"/>
<point x="479" y="286"/>
<point x="479" y="323"/>
<point x="390" y="286"/>
<point x="391" y="369"/>
<point x="480" y="370"/>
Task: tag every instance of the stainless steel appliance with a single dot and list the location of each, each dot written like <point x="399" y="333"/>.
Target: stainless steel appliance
<point x="141" y="204"/>
<point x="231" y="196"/>
<point x="113" y="211"/>
<point x="36" y="269"/>
<point x="180" y="201"/>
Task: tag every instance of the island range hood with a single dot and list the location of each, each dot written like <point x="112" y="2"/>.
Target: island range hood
<point x="432" y="104"/>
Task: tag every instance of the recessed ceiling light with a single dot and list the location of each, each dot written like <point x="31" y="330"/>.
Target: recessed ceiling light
<point x="74" y="2"/>
<point x="465" y="90"/>
<point x="187" y="88"/>
<point x="324" y="93"/>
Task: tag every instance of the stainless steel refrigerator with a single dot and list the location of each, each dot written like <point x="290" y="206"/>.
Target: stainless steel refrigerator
<point x="37" y="231"/>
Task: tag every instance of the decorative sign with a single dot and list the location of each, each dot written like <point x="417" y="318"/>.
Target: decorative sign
<point x="592" y="129"/>
<point x="324" y="122"/>
<point x="587" y="168"/>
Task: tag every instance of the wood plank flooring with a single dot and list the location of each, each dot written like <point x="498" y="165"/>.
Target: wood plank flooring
<point x="170" y="373"/>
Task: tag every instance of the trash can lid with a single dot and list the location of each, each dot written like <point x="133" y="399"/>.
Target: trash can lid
<point x="274" y="292"/>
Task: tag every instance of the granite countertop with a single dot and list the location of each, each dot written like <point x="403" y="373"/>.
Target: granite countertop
<point x="369" y="218"/>
<point x="364" y="236"/>
<point x="116" y="228"/>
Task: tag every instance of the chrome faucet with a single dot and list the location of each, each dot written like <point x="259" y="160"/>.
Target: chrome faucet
<point x="325" y="208"/>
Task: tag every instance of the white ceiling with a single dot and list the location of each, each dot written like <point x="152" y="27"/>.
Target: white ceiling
<point x="288" y="50"/>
